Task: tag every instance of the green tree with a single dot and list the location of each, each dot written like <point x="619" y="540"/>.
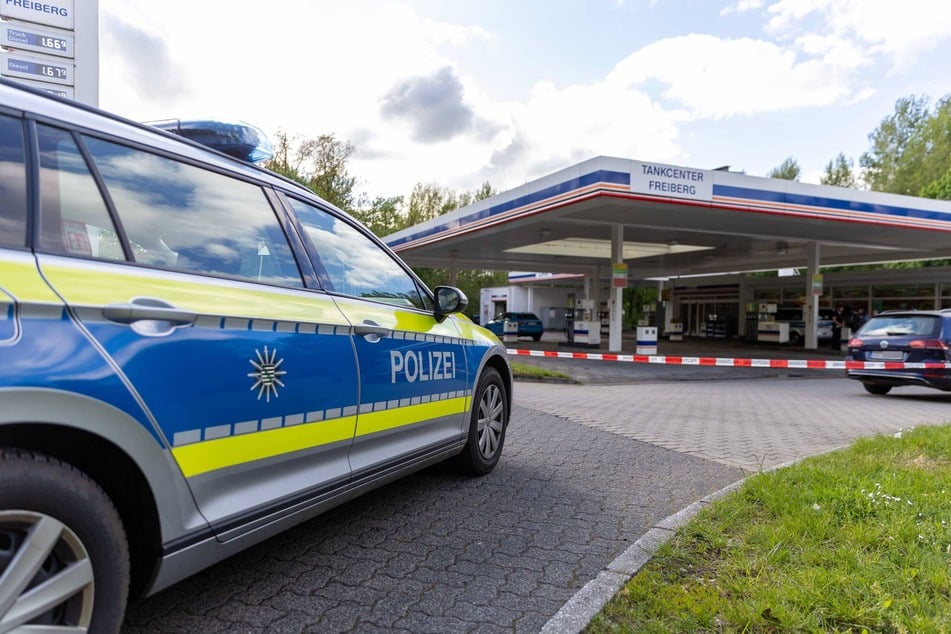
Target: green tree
<point x="933" y="145"/>
<point x="289" y="157"/>
<point x="330" y="178"/>
<point x="939" y="189"/>
<point x="382" y="215"/>
<point x="484" y="191"/>
<point x="469" y="281"/>
<point x="320" y="164"/>
<point x="839" y="172"/>
<point x="910" y="154"/>
<point x="787" y="170"/>
<point x="895" y="142"/>
<point x="633" y="300"/>
<point x="430" y="201"/>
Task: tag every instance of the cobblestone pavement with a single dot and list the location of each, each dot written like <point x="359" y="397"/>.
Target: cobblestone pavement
<point x="437" y="552"/>
<point x="750" y="424"/>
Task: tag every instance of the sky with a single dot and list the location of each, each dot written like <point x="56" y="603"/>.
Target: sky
<point x="457" y="93"/>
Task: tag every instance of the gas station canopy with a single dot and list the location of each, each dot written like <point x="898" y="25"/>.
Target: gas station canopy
<point x="675" y="221"/>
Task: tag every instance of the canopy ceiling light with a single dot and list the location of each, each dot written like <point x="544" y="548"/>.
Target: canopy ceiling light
<point x="601" y="249"/>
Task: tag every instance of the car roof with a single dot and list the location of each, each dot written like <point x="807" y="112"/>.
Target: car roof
<point x="54" y="109"/>
<point x="944" y="312"/>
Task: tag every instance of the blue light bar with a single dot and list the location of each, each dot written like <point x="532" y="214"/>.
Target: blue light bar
<point x="238" y="139"/>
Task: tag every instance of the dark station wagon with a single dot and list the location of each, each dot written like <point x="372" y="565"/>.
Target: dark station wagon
<point x="912" y="337"/>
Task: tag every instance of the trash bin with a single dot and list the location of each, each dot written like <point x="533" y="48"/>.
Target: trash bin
<point x="647" y="340"/>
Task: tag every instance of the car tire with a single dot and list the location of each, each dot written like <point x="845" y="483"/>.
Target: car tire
<point x="536" y="337"/>
<point x="876" y="388"/>
<point x="795" y="339"/>
<point x="59" y="527"/>
<point x="487" y="425"/>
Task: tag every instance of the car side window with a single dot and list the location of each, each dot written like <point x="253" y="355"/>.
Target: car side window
<point x="185" y="218"/>
<point x="12" y="184"/>
<point x="74" y="216"/>
<point x="354" y="264"/>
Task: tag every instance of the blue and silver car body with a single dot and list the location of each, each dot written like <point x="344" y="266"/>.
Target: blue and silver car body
<point x="216" y="350"/>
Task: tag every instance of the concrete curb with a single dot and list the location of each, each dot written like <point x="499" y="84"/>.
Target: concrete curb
<point x="577" y="613"/>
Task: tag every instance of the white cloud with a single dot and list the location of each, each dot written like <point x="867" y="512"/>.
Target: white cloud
<point x="308" y="68"/>
<point x="742" y="6"/>
<point x="714" y="78"/>
<point x="306" y="64"/>
<point x="599" y="119"/>
<point x="897" y="33"/>
<point x="315" y="67"/>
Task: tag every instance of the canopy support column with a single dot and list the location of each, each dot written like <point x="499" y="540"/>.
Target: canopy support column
<point x="616" y="301"/>
<point x="813" y="294"/>
<point x="452" y="267"/>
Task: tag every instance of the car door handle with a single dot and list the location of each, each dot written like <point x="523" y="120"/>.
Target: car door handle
<point x="371" y="331"/>
<point x="150" y="309"/>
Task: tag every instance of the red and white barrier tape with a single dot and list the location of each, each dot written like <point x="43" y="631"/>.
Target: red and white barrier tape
<point x="805" y="364"/>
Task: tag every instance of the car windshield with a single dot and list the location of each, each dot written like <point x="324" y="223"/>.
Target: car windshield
<point x="902" y="326"/>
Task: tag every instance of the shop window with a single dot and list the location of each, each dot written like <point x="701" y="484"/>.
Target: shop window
<point x="847" y="293"/>
<point x="768" y="296"/>
<point x="904" y="290"/>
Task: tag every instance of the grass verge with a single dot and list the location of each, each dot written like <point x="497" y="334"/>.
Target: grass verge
<point x="858" y="540"/>
<point x="525" y="371"/>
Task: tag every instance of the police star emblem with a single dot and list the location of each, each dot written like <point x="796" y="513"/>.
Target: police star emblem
<point x="267" y="374"/>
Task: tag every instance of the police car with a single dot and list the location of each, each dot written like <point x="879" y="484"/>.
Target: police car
<point x="198" y="354"/>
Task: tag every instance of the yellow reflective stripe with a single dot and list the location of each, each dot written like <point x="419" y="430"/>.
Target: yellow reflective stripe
<point x="96" y="285"/>
<point x="231" y="451"/>
<point x="372" y="422"/>
<point x="23" y="281"/>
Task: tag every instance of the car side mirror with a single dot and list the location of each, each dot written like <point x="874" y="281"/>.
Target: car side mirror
<point x="449" y="300"/>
